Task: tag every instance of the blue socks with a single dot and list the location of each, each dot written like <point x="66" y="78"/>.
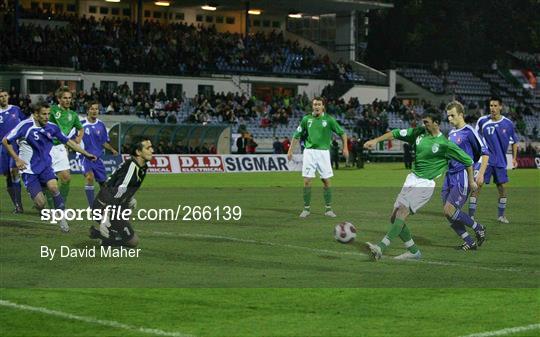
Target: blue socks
<point x="462" y="232"/>
<point x="502" y="206"/>
<point x="459" y="221"/>
<point x="17" y="192"/>
<point x="14" y="191"/>
<point x="472" y="206"/>
<point x="58" y="201"/>
<point x="463" y="218"/>
<point x="89" y="190"/>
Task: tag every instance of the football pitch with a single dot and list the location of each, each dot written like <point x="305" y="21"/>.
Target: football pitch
<point x="270" y="273"/>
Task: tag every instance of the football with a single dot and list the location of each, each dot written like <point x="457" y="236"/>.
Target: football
<point x="345" y="232"/>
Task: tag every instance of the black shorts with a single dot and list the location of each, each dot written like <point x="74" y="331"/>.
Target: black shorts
<point x="120" y="230"/>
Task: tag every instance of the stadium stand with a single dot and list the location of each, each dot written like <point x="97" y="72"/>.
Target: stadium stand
<point x="423" y="77"/>
<point x="274" y="117"/>
<point x="113" y="45"/>
<point x="528" y="59"/>
<point x="474" y="88"/>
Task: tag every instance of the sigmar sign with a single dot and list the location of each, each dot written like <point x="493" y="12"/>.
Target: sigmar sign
<point x="174" y="163"/>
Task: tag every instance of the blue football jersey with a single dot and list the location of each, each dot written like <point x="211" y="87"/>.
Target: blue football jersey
<point x="36" y="143"/>
<point x="470" y="142"/>
<point x="497" y="135"/>
<point x="9" y="118"/>
<point x="95" y="135"/>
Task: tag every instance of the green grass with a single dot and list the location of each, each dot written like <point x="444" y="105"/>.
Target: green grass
<point x="273" y="274"/>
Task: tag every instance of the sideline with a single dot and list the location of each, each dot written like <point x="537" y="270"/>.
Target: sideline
<point x="92" y="320"/>
<point x="506" y="331"/>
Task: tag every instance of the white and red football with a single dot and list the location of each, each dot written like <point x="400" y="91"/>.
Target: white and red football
<point x="345" y="232"/>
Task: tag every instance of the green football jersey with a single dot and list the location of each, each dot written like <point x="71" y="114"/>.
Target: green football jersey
<point x="432" y="152"/>
<point x="319" y="131"/>
<point x="66" y="119"/>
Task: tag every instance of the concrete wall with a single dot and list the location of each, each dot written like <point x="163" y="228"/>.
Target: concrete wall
<point x="367" y="93"/>
<point x="311" y="87"/>
<point x="221" y="83"/>
<point x="189" y="84"/>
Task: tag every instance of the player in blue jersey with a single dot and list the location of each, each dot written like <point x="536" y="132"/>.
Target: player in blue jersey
<point x="10" y="116"/>
<point x="497" y="132"/>
<point x="95" y="139"/>
<point x="456" y="190"/>
<point x="36" y="137"/>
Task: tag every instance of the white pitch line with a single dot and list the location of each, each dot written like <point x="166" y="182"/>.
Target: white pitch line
<point x="92" y="320"/>
<point x="454" y="264"/>
<point x="315" y="250"/>
<point x="256" y="242"/>
<point x="506" y="331"/>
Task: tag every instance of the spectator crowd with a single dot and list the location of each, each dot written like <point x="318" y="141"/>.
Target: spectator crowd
<point x="366" y="120"/>
<point x="119" y="46"/>
<point x="246" y="112"/>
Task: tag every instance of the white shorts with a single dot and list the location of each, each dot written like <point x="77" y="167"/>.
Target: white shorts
<point x="416" y="192"/>
<point x="317" y="161"/>
<point x="60" y="160"/>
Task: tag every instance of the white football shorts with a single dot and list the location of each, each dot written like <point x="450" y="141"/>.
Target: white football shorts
<point x="416" y="192"/>
<point x="60" y="160"/>
<point x="317" y="161"/>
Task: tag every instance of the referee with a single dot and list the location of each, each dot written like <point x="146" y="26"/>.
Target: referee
<point x="119" y="190"/>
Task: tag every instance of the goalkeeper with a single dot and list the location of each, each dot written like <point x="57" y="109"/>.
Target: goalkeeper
<point x="119" y="190"/>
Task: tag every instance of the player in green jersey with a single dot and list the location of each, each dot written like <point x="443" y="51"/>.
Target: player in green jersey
<point x="433" y="152"/>
<point x="68" y="121"/>
<point x="319" y="128"/>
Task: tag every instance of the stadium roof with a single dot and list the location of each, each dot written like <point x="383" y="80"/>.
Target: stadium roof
<point x="283" y="7"/>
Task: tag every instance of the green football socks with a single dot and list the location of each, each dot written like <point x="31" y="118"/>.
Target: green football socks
<point x="307" y="197"/>
<point x="406" y="236"/>
<point x="64" y="190"/>
<point x="399" y="228"/>
<point x="393" y="232"/>
<point x="328" y="197"/>
<point x="48" y="195"/>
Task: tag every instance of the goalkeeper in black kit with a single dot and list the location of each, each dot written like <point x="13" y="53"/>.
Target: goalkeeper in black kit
<point x="119" y="191"/>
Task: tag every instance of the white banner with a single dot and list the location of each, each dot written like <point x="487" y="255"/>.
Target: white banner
<point x="262" y="163"/>
<point x="192" y="163"/>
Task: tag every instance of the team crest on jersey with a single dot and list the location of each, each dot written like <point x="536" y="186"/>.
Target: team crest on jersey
<point x="504" y="130"/>
<point x="435" y="148"/>
<point x="324" y="123"/>
<point x="458" y="140"/>
<point x="403" y="132"/>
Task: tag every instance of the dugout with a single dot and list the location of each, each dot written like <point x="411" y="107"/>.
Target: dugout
<point x="189" y="136"/>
